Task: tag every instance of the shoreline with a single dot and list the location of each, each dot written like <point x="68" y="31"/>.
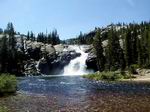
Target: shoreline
<point x="109" y="77"/>
<point x="138" y="79"/>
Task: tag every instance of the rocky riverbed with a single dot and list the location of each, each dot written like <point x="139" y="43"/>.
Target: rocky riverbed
<point x="75" y="94"/>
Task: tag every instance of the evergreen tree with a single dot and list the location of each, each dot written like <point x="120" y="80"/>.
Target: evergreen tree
<point x="1" y="30"/>
<point x="81" y="39"/>
<point x="28" y="35"/>
<point x="128" y="51"/>
<point x="3" y="55"/>
<point x="49" y="39"/>
<point x="12" y="52"/>
<point x="32" y="37"/>
<point x="139" y="50"/>
<point x="99" y="51"/>
<point x="114" y="52"/>
<point x="133" y="44"/>
<point x="55" y="38"/>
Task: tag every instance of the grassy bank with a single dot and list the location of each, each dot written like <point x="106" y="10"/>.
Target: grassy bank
<point x="109" y="76"/>
<point x="4" y="109"/>
<point x="8" y="84"/>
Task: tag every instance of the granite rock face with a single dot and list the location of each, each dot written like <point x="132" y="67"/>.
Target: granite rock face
<point x="48" y="59"/>
<point x="43" y="58"/>
<point x="91" y="60"/>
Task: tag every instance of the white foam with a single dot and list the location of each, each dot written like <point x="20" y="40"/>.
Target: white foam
<point x="77" y="66"/>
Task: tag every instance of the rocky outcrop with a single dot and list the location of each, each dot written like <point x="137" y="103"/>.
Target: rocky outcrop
<point x="44" y="58"/>
<point x="88" y="48"/>
<point x="143" y="72"/>
<point x="47" y="59"/>
<point x="54" y="64"/>
<point x="30" y="68"/>
<point x="91" y="60"/>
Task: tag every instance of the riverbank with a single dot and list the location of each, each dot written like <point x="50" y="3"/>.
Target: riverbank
<point x="77" y="94"/>
<point x="117" y="76"/>
<point x="139" y="78"/>
<point x="103" y="101"/>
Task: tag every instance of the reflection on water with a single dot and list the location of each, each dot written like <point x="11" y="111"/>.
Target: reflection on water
<point x="75" y="94"/>
<point x="67" y="85"/>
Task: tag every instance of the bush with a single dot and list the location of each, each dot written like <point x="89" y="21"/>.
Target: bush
<point x="8" y="84"/>
<point x="132" y="69"/>
<point x="95" y="76"/>
<point x="109" y="76"/>
<point x="4" y="109"/>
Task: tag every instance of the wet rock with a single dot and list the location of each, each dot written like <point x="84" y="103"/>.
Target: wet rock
<point x="44" y="58"/>
<point x="30" y="68"/>
<point x="50" y="50"/>
<point x="91" y="61"/>
<point x="143" y="72"/>
<point x="59" y="48"/>
<point x="88" y="48"/>
<point x="55" y="62"/>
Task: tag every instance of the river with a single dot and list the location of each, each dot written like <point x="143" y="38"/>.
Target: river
<point x="69" y="92"/>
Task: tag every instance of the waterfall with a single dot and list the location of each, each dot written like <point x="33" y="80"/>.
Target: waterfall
<point x="77" y="66"/>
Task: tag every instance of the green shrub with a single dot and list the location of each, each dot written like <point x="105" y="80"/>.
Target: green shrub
<point x="4" y="109"/>
<point x="132" y="69"/>
<point x="109" y="76"/>
<point x="95" y="76"/>
<point x="8" y="84"/>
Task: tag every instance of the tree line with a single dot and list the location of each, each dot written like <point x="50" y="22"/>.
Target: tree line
<point x="11" y="59"/>
<point x="13" y="56"/>
<point x="82" y="39"/>
<point x="127" y="45"/>
<point x="51" y="38"/>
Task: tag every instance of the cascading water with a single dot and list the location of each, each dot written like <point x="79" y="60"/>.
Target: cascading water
<point x="77" y="66"/>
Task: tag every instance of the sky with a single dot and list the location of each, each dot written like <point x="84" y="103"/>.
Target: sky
<point x="70" y="17"/>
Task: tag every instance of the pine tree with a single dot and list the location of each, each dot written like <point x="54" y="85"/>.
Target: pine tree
<point x="128" y="51"/>
<point x="134" y="45"/>
<point x="114" y="52"/>
<point x="3" y="54"/>
<point x="1" y="30"/>
<point x="145" y="46"/>
<point x="99" y="51"/>
<point x="12" y="51"/>
<point x="32" y="37"/>
<point x="28" y="35"/>
<point x="49" y="39"/>
<point x="55" y="38"/>
<point x="139" y="50"/>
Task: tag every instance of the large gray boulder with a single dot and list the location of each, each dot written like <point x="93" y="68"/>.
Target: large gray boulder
<point x="50" y="50"/>
<point x="87" y="48"/>
<point x="59" y="48"/>
<point x="58" y="57"/>
<point x="91" y="60"/>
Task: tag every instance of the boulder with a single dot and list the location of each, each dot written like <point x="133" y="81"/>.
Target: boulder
<point x="50" y="49"/>
<point x="88" y="48"/>
<point x="30" y="68"/>
<point x="59" y="48"/>
<point x="55" y="62"/>
<point x="91" y="61"/>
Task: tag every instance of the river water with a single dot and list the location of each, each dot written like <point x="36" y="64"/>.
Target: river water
<point x="76" y="94"/>
<point x="72" y="91"/>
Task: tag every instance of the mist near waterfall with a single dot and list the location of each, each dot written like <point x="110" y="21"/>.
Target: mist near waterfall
<point x="77" y="66"/>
